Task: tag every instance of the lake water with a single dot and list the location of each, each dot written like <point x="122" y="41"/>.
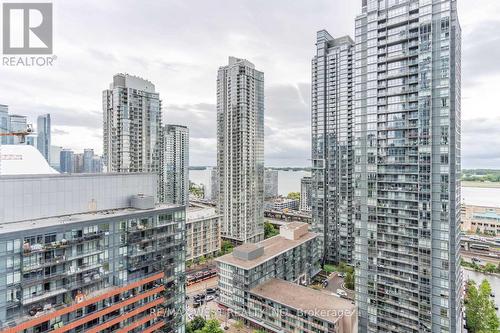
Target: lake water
<point x="289" y="181"/>
<point x="480" y="196"/>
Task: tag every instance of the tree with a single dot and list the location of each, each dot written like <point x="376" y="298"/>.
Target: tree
<point x="202" y="260"/>
<point x="349" y="280"/>
<point x="212" y="326"/>
<point x="226" y="247"/>
<point x="490" y="268"/>
<point x="293" y="195"/>
<point x="480" y="311"/>
<point x="328" y="268"/>
<point x="196" y="190"/>
<point x="196" y="324"/>
<point x="269" y="230"/>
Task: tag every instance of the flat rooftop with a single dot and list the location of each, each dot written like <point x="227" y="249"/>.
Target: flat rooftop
<point x="328" y="307"/>
<point x="272" y="247"/>
<point x="196" y="212"/>
<point x="9" y="227"/>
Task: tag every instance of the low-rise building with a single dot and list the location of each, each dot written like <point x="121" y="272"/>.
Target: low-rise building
<point x="280" y="204"/>
<point x="202" y="231"/>
<point x="282" y="306"/>
<point x="292" y="256"/>
<point x="88" y="253"/>
<point x="480" y="219"/>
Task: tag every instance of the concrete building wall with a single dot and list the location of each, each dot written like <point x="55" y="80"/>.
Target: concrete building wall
<point x="33" y="197"/>
<point x="202" y="232"/>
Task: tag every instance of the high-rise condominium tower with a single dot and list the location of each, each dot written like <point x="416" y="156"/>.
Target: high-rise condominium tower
<point x="175" y="165"/>
<point x="270" y="183"/>
<point x="88" y="160"/>
<point x="4" y="123"/>
<point x="240" y="150"/>
<point x="332" y="192"/>
<point x="132" y="125"/>
<point x="17" y="124"/>
<point x="66" y="161"/>
<point x="407" y="163"/>
<point x="43" y="141"/>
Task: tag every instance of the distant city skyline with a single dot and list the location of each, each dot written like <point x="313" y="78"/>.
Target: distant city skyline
<point x="182" y="67"/>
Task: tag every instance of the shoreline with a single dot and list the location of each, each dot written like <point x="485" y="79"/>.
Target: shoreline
<point x="481" y="184"/>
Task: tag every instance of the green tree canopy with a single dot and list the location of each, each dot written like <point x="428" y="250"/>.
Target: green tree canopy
<point x="212" y="326"/>
<point x="294" y="195"/>
<point x="269" y="230"/>
<point x="480" y="313"/>
<point x="226" y="247"/>
<point x="196" y="324"/>
<point x="349" y="280"/>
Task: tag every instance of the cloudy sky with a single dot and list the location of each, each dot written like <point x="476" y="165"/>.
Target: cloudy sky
<point x="179" y="45"/>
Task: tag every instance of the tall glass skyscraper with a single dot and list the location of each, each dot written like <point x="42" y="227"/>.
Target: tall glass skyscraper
<point x="132" y="125"/>
<point x="407" y="166"/>
<point x="4" y="123"/>
<point x="331" y="121"/>
<point x="175" y="165"/>
<point x="88" y="160"/>
<point x="17" y="124"/>
<point x="240" y="150"/>
<point x="66" y="161"/>
<point x="43" y="141"/>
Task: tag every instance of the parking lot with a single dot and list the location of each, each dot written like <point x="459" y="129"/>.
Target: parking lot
<point x="335" y="283"/>
<point x="201" y="298"/>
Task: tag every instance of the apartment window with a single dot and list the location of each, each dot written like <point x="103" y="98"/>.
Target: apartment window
<point x="13" y="278"/>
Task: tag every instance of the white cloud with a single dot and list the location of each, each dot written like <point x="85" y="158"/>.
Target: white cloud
<point x="179" y="45"/>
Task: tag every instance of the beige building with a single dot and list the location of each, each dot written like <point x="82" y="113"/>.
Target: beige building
<point x="480" y="218"/>
<point x="282" y="306"/>
<point x="202" y="231"/>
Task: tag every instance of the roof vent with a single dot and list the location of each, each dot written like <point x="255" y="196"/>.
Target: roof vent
<point x="248" y="251"/>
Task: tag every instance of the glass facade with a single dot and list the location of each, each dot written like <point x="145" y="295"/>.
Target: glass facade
<point x="174" y="176"/>
<point x="132" y="125"/>
<point x="407" y="162"/>
<point x="332" y="191"/>
<point x="240" y="150"/>
<point x="103" y="275"/>
<point x="43" y="127"/>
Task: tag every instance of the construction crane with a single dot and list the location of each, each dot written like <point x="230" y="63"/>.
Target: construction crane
<point x="22" y="134"/>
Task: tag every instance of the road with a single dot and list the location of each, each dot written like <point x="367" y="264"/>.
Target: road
<point x="336" y="282"/>
<point x="200" y="287"/>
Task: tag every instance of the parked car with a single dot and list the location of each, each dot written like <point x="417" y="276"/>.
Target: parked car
<point x="209" y="298"/>
<point x="211" y="291"/>
<point x="200" y="296"/>
<point x="341" y="293"/>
